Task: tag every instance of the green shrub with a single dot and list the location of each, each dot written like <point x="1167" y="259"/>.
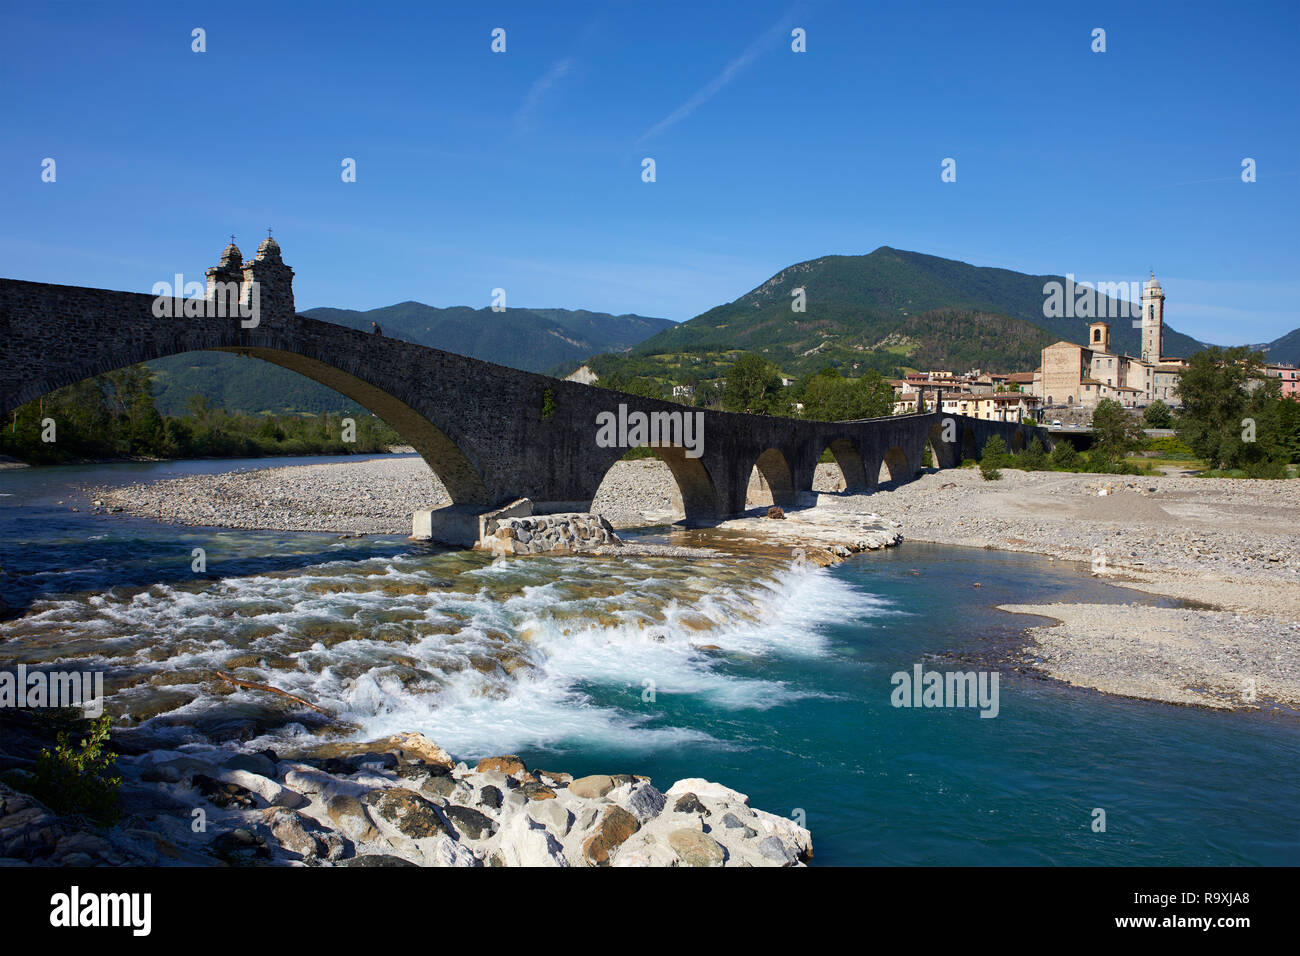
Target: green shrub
<point x="1171" y="447"/>
<point x="1064" y="455"/>
<point x="1033" y="458"/>
<point x="1268" y="468"/>
<point x="995" y="451"/>
<point x="80" y="780"/>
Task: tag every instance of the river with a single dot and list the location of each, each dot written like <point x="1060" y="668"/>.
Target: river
<point x="768" y="677"/>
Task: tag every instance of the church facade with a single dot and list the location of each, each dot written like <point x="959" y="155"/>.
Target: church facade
<point x="1083" y="375"/>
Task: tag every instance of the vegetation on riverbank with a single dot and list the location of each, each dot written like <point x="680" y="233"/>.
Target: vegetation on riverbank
<point x="113" y="417"/>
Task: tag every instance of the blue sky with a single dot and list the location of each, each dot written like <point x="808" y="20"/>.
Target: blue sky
<point x="522" y="170"/>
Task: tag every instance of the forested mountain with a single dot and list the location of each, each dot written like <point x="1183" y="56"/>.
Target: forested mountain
<point x="886" y="310"/>
<point x="1285" y="349"/>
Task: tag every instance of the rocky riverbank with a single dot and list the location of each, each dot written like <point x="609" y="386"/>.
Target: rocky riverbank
<point x="1222" y="541"/>
<point x="1219" y="659"/>
<point x="400" y="801"/>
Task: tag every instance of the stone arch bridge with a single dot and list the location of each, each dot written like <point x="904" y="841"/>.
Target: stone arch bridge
<point x="492" y="434"/>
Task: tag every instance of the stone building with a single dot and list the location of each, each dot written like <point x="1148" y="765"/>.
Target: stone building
<point x="1083" y="375"/>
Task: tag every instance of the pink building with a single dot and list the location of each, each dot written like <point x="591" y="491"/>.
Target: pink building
<point x="1290" y="377"/>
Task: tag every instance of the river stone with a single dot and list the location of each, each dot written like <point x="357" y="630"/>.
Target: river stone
<point x="553" y="779"/>
<point x="733" y="822"/>
<point x="253" y="763"/>
<point x="696" y="849"/>
<point x="525" y="842"/>
<point x="690" y="803"/>
<point x="646" y="802"/>
<point x="471" y="823"/>
<point x="615" y="826"/>
<point x="509" y="764"/>
<point x="553" y="815"/>
<point x="174" y="771"/>
<point x="373" y="761"/>
<point x="225" y="795"/>
<point x="240" y="846"/>
<point x="289" y="800"/>
<point x="350" y="816"/>
<point x="409" y="812"/>
<point x="774" y="849"/>
<point x="441" y="786"/>
<point x="592" y="787"/>
<point x="287" y="828"/>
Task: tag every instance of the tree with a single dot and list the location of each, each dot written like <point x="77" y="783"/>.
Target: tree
<point x="1033" y="458"/>
<point x="993" y="457"/>
<point x="1232" y="413"/>
<point x="1158" y="415"/>
<point x="1114" y="431"/>
<point x="1064" y="454"/>
<point x="828" y="396"/>
<point x="753" y="384"/>
<point x="708" y="394"/>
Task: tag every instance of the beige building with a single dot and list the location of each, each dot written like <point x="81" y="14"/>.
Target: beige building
<point x="1085" y="375"/>
<point x="1000" y="407"/>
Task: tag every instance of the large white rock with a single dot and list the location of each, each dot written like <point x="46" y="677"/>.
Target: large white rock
<point x="525" y="842"/>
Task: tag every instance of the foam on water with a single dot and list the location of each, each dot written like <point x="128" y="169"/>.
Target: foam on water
<point x="483" y="656"/>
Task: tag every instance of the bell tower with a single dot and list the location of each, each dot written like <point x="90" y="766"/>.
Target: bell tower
<point x="225" y="279"/>
<point x="1153" y="321"/>
<point x="1099" y="336"/>
<point x="267" y="277"/>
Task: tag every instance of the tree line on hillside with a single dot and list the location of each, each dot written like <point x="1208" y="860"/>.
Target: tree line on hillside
<point x="113" y="416"/>
<point x="755" y="386"/>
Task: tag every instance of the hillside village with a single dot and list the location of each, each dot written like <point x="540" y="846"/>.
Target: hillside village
<point x="1069" y="382"/>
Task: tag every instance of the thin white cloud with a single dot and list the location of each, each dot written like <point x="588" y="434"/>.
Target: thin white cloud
<point x="732" y="69"/>
<point x="558" y="70"/>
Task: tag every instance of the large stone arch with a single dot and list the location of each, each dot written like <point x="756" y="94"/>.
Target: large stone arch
<point x="442" y="448"/>
<point x="695" y="493"/>
<point x="853" y="469"/>
<point x="1018" y="440"/>
<point x="771" y="480"/>
<point x="895" y="467"/>
<point x="969" y="449"/>
<point x="441" y="453"/>
<point x="694" y="496"/>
